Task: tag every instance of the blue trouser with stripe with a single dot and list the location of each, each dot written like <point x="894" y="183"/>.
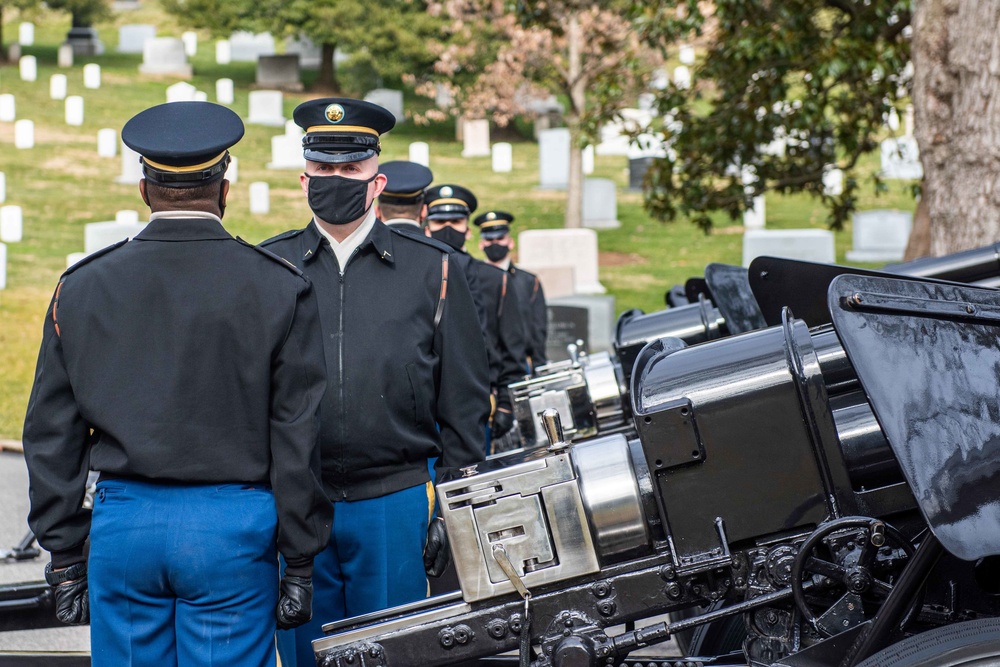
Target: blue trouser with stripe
<point x="183" y="575"/>
<point x="374" y="561"/>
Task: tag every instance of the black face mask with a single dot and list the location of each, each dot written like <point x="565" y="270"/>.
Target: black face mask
<point x="337" y="200"/>
<point x="496" y="252"/>
<point x="451" y="236"/>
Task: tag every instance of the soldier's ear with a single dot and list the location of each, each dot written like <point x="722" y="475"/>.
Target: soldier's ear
<point x="142" y="191"/>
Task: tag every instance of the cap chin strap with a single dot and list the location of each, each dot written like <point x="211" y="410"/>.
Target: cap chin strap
<point x="187" y="179"/>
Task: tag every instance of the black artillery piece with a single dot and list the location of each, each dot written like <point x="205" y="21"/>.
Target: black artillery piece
<point x="832" y="487"/>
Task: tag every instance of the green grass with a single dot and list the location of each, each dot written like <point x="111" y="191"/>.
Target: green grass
<point x="62" y="184"/>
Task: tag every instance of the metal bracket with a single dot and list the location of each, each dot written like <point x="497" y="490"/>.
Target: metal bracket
<point x="937" y="308"/>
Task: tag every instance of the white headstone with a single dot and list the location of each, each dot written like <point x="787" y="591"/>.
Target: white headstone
<point x="600" y="204"/>
<point x="476" y="138"/>
<point x="686" y="54"/>
<point x="443" y="99"/>
<point x="127" y="217"/>
<point x="224" y="91"/>
<point x="811" y="245"/>
<point x="390" y="99"/>
<point x="26" y="34"/>
<point x="286" y="153"/>
<point x="74" y="257"/>
<point x="901" y="158"/>
<point x="833" y="182"/>
<point x="164" y="55"/>
<point x="74" y="110"/>
<point x="11" y="224"/>
<point x="190" y="40"/>
<point x="3" y="187"/>
<point x="28" y="66"/>
<point x="24" y="134"/>
<point x="7" y="108"/>
<point x="756" y="217"/>
<point x="266" y="108"/>
<point x="908" y="121"/>
<point x="892" y="120"/>
<point x="107" y="142"/>
<point x="57" y="86"/>
<point x="92" y="76"/>
<point x="420" y="152"/>
<point x="503" y="157"/>
<point x="248" y="47"/>
<point x="279" y="72"/>
<point x="200" y="96"/>
<point x="588" y="159"/>
<point x="682" y="77"/>
<point x="131" y="167"/>
<point x="880" y="235"/>
<point x="260" y="197"/>
<point x="293" y="130"/>
<point x="98" y="235"/>
<point x="182" y="91"/>
<point x="233" y="170"/>
<point x="223" y="52"/>
<point x="3" y="266"/>
<point x="553" y="158"/>
<point x="553" y="248"/>
<point x="131" y="38"/>
<point x="64" y="56"/>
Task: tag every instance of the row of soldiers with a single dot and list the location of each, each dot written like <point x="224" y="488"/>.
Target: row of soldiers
<point x="266" y="420"/>
<point x="510" y="301"/>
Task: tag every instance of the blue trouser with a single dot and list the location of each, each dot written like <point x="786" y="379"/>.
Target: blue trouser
<point x="183" y="575"/>
<point x="374" y="561"/>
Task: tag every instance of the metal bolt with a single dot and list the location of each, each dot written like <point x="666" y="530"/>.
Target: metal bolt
<point x="771" y="617"/>
<point x="606" y="608"/>
<point x="374" y="651"/>
<point x="970" y="309"/>
<point x="601" y="589"/>
<point x="856" y="298"/>
<point x="667" y="573"/>
<point x="514" y="623"/>
<point x="463" y="634"/>
<point x="447" y="638"/>
<point x="496" y="628"/>
<point x="673" y="591"/>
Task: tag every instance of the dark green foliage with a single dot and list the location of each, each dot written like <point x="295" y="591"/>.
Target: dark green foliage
<point x="822" y="74"/>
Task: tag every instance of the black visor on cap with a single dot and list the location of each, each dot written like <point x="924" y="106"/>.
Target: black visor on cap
<point x="494" y="233"/>
<point x="337" y="157"/>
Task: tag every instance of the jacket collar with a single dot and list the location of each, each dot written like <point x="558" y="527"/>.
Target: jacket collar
<point x="184" y="229"/>
<point x="380" y="239"/>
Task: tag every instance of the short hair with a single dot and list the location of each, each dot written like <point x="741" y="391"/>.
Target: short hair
<point x="409" y="211"/>
<point x="166" y="196"/>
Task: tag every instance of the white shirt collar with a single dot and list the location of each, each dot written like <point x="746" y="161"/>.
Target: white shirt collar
<point x="184" y="214"/>
<point x="401" y="221"/>
<point x="344" y="249"/>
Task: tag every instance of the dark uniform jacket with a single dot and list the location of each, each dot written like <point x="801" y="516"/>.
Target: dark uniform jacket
<point x="504" y="328"/>
<point x="407" y="374"/>
<point x="533" y="313"/>
<point x="193" y="358"/>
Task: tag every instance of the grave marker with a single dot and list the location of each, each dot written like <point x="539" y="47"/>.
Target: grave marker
<point x="266" y="108"/>
<point x="165" y="56"/>
<point x="107" y="142"/>
<point x="224" y="91"/>
<point x="74" y="110"/>
<point x="24" y="134"/>
<point x="279" y="72"/>
<point x="420" y="152"/>
<point x="574" y="248"/>
<point x="686" y="54"/>
<point x="503" y="157"/>
<point x="286" y="153"/>
<point x="99" y="235"/>
<point x="476" y="138"/>
<point x="127" y="217"/>
<point x="811" y="245"/>
<point x="64" y="56"/>
<point x="3" y="187"/>
<point x="223" y="52"/>
<point x="553" y="158"/>
<point x="190" y="40"/>
<point x="11" y="224"/>
<point x="682" y="77"/>
<point x="600" y="204"/>
<point x="880" y="235"/>
<point x="7" y="108"/>
<point x="3" y="266"/>
<point x="28" y="66"/>
<point x="131" y="167"/>
<point x="389" y="99"/>
<point x="260" y="197"/>
<point x="26" y="34"/>
<point x="233" y="170"/>
<point x="57" y="86"/>
<point x="182" y="91"/>
<point x="92" y="76"/>
<point x="132" y="37"/>
<point x="248" y="47"/>
<point x="901" y="159"/>
<point x="756" y="217"/>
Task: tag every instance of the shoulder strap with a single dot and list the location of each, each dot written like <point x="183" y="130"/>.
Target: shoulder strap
<point x="444" y="290"/>
<point x="503" y="295"/>
<point x="55" y="307"/>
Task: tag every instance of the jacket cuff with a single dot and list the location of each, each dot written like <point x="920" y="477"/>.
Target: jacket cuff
<point x="299" y="567"/>
<point x="67" y="557"/>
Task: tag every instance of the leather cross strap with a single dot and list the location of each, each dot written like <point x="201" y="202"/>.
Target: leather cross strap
<point x="444" y="291"/>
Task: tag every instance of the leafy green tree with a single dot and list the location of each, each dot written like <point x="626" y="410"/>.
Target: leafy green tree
<point x="497" y="55"/>
<point x="389" y="36"/>
<point x="784" y="92"/>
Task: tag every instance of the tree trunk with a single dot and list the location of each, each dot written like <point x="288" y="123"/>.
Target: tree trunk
<point x="956" y="97"/>
<point x="577" y="99"/>
<point x="3" y="49"/>
<point x="920" y="236"/>
<point x="326" y="80"/>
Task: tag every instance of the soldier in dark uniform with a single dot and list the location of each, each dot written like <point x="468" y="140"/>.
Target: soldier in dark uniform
<point x="401" y="207"/>
<point x="496" y="242"/>
<point x="187" y="367"/>
<point x="448" y="211"/>
<point x="407" y="382"/>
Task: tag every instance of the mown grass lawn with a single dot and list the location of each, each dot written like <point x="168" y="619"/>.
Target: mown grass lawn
<point x="61" y="185"/>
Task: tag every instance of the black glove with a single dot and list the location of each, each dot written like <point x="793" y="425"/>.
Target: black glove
<point x="503" y="421"/>
<point x="437" y="555"/>
<point x="69" y="586"/>
<point x="295" y="602"/>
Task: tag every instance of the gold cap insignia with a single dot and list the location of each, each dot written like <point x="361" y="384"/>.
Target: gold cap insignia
<point x="446" y="191"/>
<point x="491" y="216"/>
<point x="334" y="113"/>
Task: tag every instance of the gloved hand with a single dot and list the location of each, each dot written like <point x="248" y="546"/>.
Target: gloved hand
<point x="503" y="421"/>
<point x="437" y="555"/>
<point x="295" y="602"/>
<point x="69" y="586"/>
